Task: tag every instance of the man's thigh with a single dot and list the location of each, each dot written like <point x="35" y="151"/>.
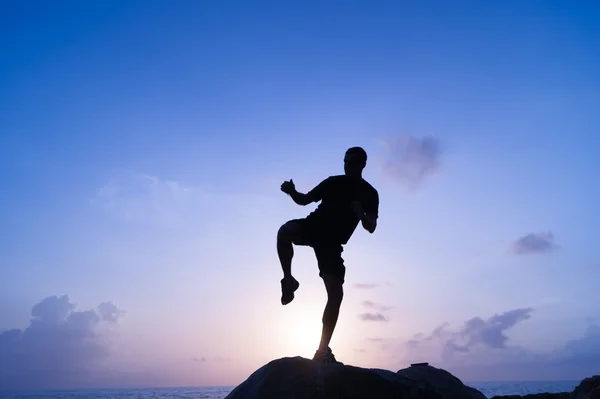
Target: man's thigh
<point x="330" y="261"/>
<point x="300" y="232"/>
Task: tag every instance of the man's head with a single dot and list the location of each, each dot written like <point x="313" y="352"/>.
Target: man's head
<point x="355" y="161"/>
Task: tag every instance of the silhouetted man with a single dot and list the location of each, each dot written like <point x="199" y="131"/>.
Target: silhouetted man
<point x="346" y="200"/>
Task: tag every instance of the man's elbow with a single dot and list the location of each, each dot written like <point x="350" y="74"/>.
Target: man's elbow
<point x="370" y="227"/>
<point x="300" y="199"/>
<point x="371" y="224"/>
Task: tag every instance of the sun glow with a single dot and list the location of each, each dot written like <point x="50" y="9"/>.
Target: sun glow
<point x="304" y="331"/>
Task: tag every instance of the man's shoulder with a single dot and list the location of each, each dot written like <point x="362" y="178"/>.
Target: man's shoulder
<point x="369" y="187"/>
<point x="335" y="179"/>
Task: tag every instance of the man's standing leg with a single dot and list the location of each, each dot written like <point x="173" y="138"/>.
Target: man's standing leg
<point x="332" y="272"/>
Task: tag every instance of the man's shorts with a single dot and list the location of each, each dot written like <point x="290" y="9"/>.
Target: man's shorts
<point x="327" y="252"/>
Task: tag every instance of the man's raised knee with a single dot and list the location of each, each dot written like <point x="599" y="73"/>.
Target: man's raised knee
<point x="287" y="231"/>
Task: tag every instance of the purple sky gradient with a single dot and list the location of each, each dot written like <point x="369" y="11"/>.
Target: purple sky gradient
<point x="144" y="143"/>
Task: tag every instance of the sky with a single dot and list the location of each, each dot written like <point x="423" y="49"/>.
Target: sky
<point x="144" y="144"/>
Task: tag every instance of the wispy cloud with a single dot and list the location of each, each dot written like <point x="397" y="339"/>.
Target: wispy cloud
<point x="145" y="198"/>
<point x="372" y="317"/>
<point x="586" y="348"/>
<point x="491" y="332"/>
<point x="411" y="160"/>
<point x="481" y="347"/>
<point x="62" y="346"/>
<point x="476" y="332"/>
<point x="592" y="320"/>
<point x="534" y="243"/>
<point x="213" y="359"/>
<point x="365" y="286"/>
<point x="376" y="306"/>
<point x="377" y="315"/>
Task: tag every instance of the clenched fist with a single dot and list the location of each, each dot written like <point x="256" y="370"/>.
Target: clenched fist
<point x="288" y="187"/>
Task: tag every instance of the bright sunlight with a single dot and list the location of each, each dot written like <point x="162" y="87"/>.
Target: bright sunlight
<point x="303" y="329"/>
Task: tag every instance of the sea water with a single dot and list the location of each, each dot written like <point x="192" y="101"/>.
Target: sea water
<point x="487" y="388"/>
<point x="490" y="389"/>
<point x="147" y="393"/>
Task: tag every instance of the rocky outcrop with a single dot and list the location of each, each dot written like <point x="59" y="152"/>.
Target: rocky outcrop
<point x="297" y="377"/>
<point x="440" y="381"/>
<point x="588" y="388"/>
<point x="545" y="395"/>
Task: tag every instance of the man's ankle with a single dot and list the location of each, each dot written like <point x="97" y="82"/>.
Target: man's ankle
<point x="323" y="348"/>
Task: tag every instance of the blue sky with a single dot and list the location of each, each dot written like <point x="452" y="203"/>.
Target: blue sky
<point x="143" y="145"/>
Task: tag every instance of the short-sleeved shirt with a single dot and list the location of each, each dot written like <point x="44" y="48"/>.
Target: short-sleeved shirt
<point x="334" y="218"/>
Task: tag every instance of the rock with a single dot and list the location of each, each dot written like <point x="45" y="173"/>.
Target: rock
<point x="588" y="388"/>
<point x="545" y="395"/>
<point x="300" y="378"/>
<point x="440" y="381"/>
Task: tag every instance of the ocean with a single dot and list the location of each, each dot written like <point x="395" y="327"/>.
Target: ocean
<point x="487" y="388"/>
<point x="490" y="389"/>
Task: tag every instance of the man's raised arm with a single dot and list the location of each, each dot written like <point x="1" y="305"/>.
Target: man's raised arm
<point x="314" y="195"/>
<point x="299" y="198"/>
